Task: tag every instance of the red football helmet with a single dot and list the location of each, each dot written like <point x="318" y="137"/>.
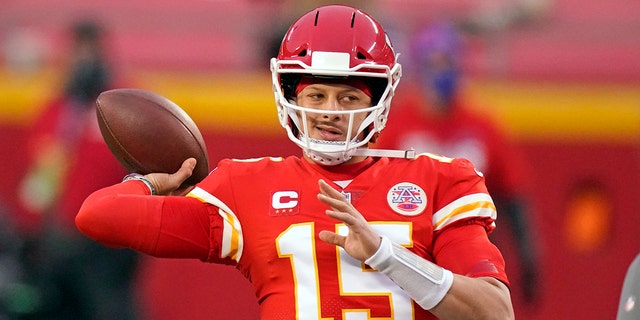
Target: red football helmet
<point x="337" y="42"/>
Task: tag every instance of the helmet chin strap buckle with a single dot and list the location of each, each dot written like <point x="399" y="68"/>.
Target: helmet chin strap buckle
<point x="332" y="160"/>
<point x="406" y="154"/>
<point x="328" y="159"/>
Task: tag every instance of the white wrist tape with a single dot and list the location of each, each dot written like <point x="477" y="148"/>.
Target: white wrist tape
<point x="424" y="281"/>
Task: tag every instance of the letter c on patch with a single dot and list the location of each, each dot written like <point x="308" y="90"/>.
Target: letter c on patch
<point x="284" y="199"/>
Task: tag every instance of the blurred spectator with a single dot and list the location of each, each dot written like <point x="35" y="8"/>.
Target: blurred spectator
<point x="75" y="278"/>
<point x="12" y="293"/>
<point x="433" y="116"/>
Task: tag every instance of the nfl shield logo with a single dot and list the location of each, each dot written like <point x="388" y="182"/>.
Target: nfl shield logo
<point x="407" y="199"/>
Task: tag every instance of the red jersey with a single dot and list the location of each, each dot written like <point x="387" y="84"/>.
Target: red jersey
<point x="263" y="216"/>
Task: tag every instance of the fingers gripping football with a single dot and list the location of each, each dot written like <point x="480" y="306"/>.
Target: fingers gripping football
<point x="173" y="183"/>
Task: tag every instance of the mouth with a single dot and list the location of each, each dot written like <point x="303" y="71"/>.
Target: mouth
<point x="327" y="132"/>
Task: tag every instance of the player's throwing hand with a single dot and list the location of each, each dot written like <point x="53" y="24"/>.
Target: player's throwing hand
<point x="169" y="183"/>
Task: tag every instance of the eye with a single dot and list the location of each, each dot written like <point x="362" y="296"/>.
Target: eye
<point x="311" y="98"/>
<point x="351" y="101"/>
<point x="315" y="95"/>
<point x="350" y="98"/>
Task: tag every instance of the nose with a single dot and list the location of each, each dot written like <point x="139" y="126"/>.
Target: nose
<point x="331" y="105"/>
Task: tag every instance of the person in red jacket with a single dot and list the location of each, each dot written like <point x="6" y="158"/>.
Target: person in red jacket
<point x="76" y="278"/>
<point x="343" y="231"/>
<point x="435" y="116"/>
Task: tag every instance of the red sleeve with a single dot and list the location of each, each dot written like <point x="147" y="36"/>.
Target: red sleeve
<point x="126" y="216"/>
<point x="466" y="250"/>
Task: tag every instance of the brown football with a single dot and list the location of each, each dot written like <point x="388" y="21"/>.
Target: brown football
<point x="149" y="133"/>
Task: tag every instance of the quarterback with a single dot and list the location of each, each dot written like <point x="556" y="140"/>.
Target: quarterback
<point x="343" y="231"/>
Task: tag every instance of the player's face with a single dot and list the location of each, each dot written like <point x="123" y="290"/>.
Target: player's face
<point x="332" y="97"/>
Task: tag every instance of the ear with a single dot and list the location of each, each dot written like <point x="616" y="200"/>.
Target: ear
<point x="374" y="137"/>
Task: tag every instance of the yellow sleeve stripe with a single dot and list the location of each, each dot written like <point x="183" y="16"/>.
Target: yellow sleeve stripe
<point x="473" y="205"/>
<point x="232" y="239"/>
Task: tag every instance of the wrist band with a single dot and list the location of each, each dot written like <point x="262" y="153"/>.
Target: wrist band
<point x="139" y="177"/>
<point x="424" y="281"/>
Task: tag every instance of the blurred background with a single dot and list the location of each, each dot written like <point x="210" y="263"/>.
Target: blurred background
<point x="562" y="77"/>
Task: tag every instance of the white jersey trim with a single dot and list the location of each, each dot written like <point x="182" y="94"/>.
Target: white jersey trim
<point x="473" y="205"/>
<point x="232" y="239"/>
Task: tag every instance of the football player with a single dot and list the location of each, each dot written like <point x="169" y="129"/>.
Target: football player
<point x="343" y="231"/>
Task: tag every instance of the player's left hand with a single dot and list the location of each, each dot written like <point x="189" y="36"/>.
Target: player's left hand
<point x="362" y="241"/>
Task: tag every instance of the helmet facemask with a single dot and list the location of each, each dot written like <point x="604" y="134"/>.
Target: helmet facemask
<point x="294" y="117"/>
<point x="335" y="42"/>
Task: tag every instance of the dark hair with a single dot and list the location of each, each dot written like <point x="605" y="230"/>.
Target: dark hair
<point x="88" y="77"/>
<point x="87" y="31"/>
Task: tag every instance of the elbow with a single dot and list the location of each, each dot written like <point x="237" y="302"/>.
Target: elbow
<point x="93" y="220"/>
<point x="499" y="310"/>
<point x="84" y="222"/>
<point x="503" y="308"/>
<point x="87" y="217"/>
<point x="508" y="312"/>
<point x="505" y="313"/>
